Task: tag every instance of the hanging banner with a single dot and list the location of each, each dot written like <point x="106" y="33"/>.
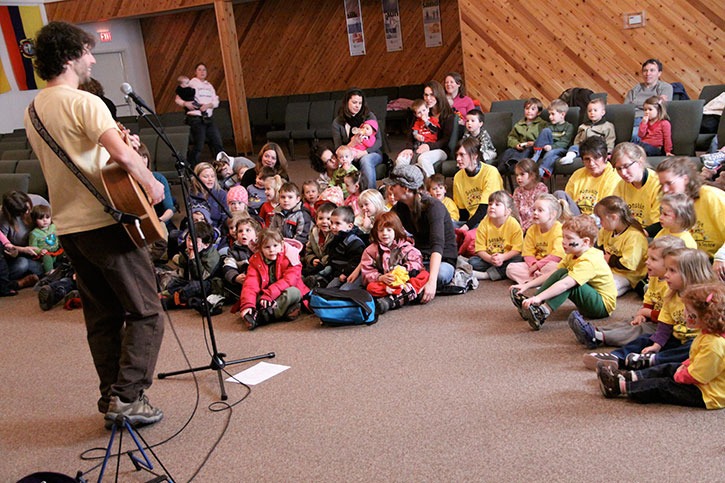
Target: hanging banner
<point x="432" y="23"/>
<point x="355" y="36"/>
<point x="4" y="83"/>
<point x="19" y="26"/>
<point x="391" y="20"/>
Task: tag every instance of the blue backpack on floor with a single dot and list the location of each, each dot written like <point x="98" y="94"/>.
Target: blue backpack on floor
<point x="337" y="307"/>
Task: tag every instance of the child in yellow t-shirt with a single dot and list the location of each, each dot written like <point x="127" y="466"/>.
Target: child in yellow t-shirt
<point x="645" y="320"/>
<point x="583" y="276"/>
<point x="672" y="338"/>
<point x="499" y="239"/>
<point x="542" y="243"/>
<point x="436" y="186"/>
<point x="624" y="244"/>
<point x="700" y="380"/>
<point x="677" y="216"/>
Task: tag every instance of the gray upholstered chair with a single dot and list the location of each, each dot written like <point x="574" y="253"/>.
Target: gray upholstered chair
<point x="514" y="106"/>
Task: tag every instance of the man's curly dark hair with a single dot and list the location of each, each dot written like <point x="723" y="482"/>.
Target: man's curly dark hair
<point x="56" y="44"/>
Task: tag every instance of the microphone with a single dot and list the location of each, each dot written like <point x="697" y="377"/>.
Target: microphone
<point x="128" y="91"/>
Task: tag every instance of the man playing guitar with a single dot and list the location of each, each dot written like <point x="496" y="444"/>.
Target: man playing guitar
<point x="115" y="278"/>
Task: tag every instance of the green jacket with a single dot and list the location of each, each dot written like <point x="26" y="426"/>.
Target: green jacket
<point x="523" y="132"/>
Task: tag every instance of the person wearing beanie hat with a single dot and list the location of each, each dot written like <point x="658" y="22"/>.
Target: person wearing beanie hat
<point x="428" y="222"/>
<point x="237" y="199"/>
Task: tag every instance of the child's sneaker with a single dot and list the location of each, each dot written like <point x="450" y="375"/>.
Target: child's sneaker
<point x="592" y="359"/>
<point x="583" y="330"/>
<point x="293" y="312"/>
<point x="517" y="298"/>
<point x="636" y="362"/>
<point x="383" y="304"/>
<point x="609" y="380"/>
<point x="536" y="316"/>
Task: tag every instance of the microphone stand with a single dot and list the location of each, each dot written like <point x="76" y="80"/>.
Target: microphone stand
<point x="218" y="362"/>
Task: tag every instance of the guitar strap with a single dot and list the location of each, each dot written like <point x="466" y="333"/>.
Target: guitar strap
<point x="117" y="215"/>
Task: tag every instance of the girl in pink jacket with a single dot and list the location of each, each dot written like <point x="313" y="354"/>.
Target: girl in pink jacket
<point x="391" y="267"/>
<point x="273" y="289"/>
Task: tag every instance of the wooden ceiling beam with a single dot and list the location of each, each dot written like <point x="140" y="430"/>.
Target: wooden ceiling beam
<point x="227" y="28"/>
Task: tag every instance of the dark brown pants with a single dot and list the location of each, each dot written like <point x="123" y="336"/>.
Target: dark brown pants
<point x="121" y="308"/>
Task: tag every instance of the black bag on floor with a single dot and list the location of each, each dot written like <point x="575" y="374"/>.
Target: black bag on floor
<point x="337" y="307"/>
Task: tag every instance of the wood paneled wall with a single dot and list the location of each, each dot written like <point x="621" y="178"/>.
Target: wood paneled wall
<point x="515" y="49"/>
<point x="300" y="51"/>
<point x="86" y="11"/>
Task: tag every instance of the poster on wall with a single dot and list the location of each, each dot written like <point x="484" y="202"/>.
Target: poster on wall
<point x="355" y="35"/>
<point x="391" y="20"/>
<point x="432" y="23"/>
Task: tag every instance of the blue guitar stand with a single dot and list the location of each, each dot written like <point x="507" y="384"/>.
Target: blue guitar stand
<point x="143" y="463"/>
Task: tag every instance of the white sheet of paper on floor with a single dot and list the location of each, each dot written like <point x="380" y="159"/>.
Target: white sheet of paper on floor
<point x="258" y="373"/>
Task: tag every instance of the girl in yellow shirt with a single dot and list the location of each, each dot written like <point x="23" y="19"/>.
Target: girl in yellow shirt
<point x="677" y="216"/>
<point x="624" y="244"/>
<point x="697" y="382"/>
<point x="499" y="239"/>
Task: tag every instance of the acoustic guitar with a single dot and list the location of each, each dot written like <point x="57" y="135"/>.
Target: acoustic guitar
<point x="126" y="195"/>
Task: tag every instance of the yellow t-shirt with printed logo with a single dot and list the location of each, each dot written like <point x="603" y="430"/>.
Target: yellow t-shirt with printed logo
<point x="471" y="191"/>
<point x="540" y="245"/>
<point x="591" y="267"/>
<point x="673" y="313"/>
<point x="631" y="248"/>
<point x="707" y="367"/>
<point x="709" y="230"/>
<point x="644" y="202"/>
<point x="586" y="190"/>
<point x="492" y="239"/>
<point x="685" y="236"/>
<point x="655" y="294"/>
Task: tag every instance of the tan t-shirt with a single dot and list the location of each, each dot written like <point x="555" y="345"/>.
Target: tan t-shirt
<point x="76" y="120"/>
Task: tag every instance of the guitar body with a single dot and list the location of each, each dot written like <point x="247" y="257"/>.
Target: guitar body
<point x="126" y="195"/>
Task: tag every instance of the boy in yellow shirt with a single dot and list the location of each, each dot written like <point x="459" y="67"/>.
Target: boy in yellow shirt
<point x="583" y="276"/>
<point x="436" y="186"/>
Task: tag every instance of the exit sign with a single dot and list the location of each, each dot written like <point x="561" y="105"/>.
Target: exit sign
<point x="105" y="36"/>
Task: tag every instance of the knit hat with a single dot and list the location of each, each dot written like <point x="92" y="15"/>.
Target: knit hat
<point x="408" y="176"/>
<point x="200" y="208"/>
<point x="238" y="193"/>
<point x="373" y="124"/>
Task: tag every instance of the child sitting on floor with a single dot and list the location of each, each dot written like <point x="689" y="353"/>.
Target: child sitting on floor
<point x="499" y="239"/>
<point x="43" y="237"/>
<point x="352" y="186"/>
<point x="700" y="380"/>
<point x="677" y="216"/>
<point x="391" y="267"/>
<point x="583" y="276"/>
<point x="290" y="218"/>
<point x="542" y="244"/>
<point x="646" y="318"/>
<point x="671" y="340"/>
<point x="315" y="259"/>
<point x="624" y="243"/>
<point x="436" y="186"/>
<point x="273" y="287"/>
<point x="234" y="270"/>
<point x="272" y="185"/>
<point x="529" y="187"/>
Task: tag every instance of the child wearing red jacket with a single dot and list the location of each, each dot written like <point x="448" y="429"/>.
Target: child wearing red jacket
<point x="273" y="289"/>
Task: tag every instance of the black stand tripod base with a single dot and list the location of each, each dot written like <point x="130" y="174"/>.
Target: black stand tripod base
<point x="217" y="364"/>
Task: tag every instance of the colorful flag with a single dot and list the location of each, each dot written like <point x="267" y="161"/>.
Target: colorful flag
<point x="4" y="83"/>
<point x="19" y="26"/>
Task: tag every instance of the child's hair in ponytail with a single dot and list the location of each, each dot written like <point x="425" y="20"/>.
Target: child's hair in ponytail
<point x="560" y="207"/>
<point x="614" y="205"/>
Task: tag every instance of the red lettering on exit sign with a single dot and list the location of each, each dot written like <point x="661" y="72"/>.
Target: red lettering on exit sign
<point x="105" y="36"/>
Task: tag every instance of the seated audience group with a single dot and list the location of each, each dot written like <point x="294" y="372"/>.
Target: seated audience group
<point x="264" y="242"/>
